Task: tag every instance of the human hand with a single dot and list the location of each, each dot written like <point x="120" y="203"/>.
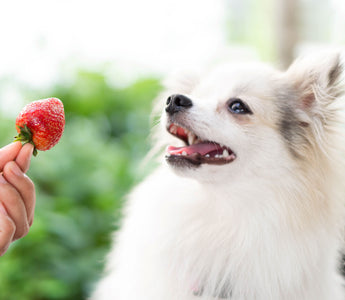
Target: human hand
<point x="17" y="193"/>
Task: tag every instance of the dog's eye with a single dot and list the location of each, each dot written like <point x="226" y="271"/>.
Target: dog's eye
<point x="237" y="106"/>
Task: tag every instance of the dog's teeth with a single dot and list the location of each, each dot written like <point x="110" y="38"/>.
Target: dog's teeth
<point x="184" y="153"/>
<point x="225" y="153"/>
<point x="191" y="138"/>
<point x="173" y="129"/>
<point x="207" y="155"/>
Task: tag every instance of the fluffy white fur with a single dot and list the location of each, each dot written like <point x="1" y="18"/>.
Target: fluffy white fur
<point x="267" y="226"/>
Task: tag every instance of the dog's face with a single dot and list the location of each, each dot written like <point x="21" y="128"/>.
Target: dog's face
<point x="242" y="120"/>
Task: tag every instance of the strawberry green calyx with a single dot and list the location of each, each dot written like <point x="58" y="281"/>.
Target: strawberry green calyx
<point x="25" y="136"/>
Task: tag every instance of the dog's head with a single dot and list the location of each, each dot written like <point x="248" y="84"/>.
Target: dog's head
<point x="251" y="119"/>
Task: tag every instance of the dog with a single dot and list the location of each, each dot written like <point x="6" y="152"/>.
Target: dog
<point x="247" y="203"/>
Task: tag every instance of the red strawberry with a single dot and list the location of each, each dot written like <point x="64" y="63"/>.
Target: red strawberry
<point x="41" y="123"/>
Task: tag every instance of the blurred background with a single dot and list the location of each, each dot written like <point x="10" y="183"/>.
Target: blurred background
<point x="106" y="60"/>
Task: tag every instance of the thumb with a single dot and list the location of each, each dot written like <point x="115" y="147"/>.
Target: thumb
<point x="9" y="153"/>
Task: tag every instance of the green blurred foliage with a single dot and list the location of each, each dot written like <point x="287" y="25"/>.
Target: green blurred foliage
<point x="81" y="184"/>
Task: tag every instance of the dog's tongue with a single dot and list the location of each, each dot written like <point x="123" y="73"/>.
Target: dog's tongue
<point x="202" y="149"/>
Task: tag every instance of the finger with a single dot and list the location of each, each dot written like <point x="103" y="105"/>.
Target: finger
<point x="14" y="205"/>
<point x="24" y="186"/>
<point x="7" y="229"/>
<point x="9" y="153"/>
<point x="24" y="157"/>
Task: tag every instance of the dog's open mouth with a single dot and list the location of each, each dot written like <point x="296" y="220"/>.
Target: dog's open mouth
<point x="197" y="151"/>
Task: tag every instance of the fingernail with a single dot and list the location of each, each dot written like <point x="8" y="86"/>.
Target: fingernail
<point x="31" y="147"/>
<point x="28" y="145"/>
<point x="3" y="210"/>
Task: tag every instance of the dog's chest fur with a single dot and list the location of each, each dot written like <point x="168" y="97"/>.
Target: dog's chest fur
<point x="212" y="244"/>
<point x="241" y="244"/>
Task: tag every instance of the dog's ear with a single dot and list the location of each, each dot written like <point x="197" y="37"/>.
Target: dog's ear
<point x="316" y="79"/>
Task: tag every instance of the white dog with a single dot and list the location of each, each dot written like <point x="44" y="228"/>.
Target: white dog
<point x="249" y="205"/>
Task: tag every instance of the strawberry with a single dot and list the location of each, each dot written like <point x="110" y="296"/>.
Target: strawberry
<point x="41" y="123"/>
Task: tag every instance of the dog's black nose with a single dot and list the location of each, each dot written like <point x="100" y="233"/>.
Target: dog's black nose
<point x="176" y="103"/>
